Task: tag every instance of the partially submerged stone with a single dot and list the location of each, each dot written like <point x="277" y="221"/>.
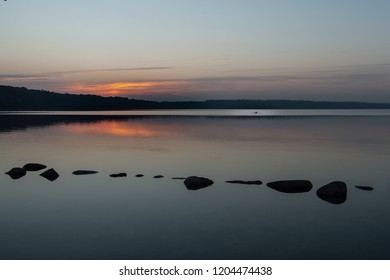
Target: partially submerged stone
<point x="16" y="172"/>
<point x="365" y="188"/>
<point x="118" y="175"/>
<point x="242" y="182"/>
<point x="84" y="172"/>
<point x="291" y="186"/>
<point x="158" y="176"/>
<point x="334" y="192"/>
<point x="34" y="166"/>
<point x="139" y="175"/>
<point x="50" y="174"/>
<point x="196" y="183"/>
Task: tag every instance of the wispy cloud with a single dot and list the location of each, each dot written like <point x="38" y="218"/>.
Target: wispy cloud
<point x="109" y="70"/>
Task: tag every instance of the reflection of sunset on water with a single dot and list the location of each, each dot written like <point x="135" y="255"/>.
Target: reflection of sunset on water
<point x="113" y="128"/>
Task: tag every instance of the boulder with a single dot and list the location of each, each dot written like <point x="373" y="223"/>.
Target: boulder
<point x="139" y="175"/>
<point x="84" y="172"/>
<point x="365" y="188"/>
<point x="334" y="192"/>
<point x="50" y="174"/>
<point x="16" y="173"/>
<point x="118" y="175"/>
<point x="257" y="182"/>
<point x="158" y="176"/>
<point x="196" y="183"/>
<point x="291" y="186"/>
<point x="34" y="166"/>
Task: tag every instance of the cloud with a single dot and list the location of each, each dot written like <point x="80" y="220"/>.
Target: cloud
<point x="109" y="70"/>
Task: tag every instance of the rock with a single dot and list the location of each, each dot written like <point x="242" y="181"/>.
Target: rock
<point x="84" y="172"/>
<point x="365" y="188"/>
<point x="158" y="176"/>
<point x="50" y="174"/>
<point x="34" y="166"/>
<point x="16" y="173"/>
<point x="334" y="192"/>
<point x="291" y="186"/>
<point x="178" y="178"/>
<point x="139" y="175"/>
<point x="196" y="183"/>
<point x="257" y="182"/>
<point x="118" y="175"/>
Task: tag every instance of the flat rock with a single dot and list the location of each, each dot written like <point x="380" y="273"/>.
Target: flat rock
<point x="118" y="175"/>
<point x="365" y="188"/>
<point x="139" y="175"/>
<point x="34" y="166"/>
<point x="242" y="182"/>
<point x="84" y="172"/>
<point x="334" y="192"/>
<point x="50" y="174"/>
<point x="196" y="183"/>
<point x="16" y="172"/>
<point x="158" y="176"/>
<point x="291" y="186"/>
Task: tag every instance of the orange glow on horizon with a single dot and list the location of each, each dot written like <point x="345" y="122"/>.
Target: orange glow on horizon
<point x="124" y="88"/>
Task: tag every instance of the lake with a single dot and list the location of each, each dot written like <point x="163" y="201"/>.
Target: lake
<point x="99" y="217"/>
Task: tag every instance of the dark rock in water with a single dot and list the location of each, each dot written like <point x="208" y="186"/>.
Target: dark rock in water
<point x="178" y="178"/>
<point x="291" y="186"/>
<point x="257" y="182"/>
<point x="158" y="176"/>
<point x="16" y="173"/>
<point x="50" y="174"/>
<point x="118" y="175"/>
<point x="196" y="183"/>
<point x="334" y="192"/>
<point x="139" y="175"/>
<point x="365" y="188"/>
<point x="34" y="166"/>
<point x="84" y="172"/>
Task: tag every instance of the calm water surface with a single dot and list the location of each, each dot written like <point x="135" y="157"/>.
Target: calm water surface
<point x="99" y="217"/>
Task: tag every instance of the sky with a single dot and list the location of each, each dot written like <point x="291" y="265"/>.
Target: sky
<point x="199" y="49"/>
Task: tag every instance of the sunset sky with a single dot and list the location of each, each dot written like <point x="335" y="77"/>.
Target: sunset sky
<point x="199" y="49"/>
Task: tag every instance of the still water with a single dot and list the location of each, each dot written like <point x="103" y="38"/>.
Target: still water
<point x="99" y="217"/>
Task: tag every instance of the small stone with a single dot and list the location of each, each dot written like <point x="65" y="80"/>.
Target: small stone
<point x="291" y="186"/>
<point x="334" y="192"/>
<point x="196" y="183"/>
<point x="16" y="173"/>
<point x="158" y="176"/>
<point x="257" y="182"/>
<point x="50" y="174"/>
<point x="118" y="175"/>
<point x="365" y="188"/>
<point x="34" y="166"/>
<point x="139" y="175"/>
<point x="84" y="172"/>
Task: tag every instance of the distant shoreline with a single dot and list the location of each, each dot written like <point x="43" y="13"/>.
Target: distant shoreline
<point x="23" y="99"/>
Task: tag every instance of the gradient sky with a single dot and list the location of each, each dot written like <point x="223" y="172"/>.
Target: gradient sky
<point x="199" y="49"/>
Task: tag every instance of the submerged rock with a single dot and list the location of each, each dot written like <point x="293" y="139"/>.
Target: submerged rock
<point x="16" y="172"/>
<point x="139" y="175"/>
<point x="84" y="172"/>
<point x="50" y="174"/>
<point x="257" y="182"/>
<point x="365" y="188"/>
<point x="118" y="175"/>
<point x="334" y="192"/>
<point x="34" y="166"/>
<point x="291" y="186"/>
<point x="196" y="183"/>
<point x="158" y="176"/>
